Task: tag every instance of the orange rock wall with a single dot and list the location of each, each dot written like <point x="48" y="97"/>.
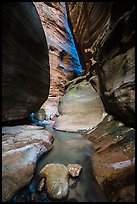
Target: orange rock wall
<point x="64" y="61"/>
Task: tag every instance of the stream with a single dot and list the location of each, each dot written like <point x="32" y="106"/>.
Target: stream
<point x="67" y="148"/>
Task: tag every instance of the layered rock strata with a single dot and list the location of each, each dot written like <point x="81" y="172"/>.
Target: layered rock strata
<point x="63" y="57"/>
<point x="105" y="36"/>
<point x="64" y="61"/>
<point x="88" y="21"/>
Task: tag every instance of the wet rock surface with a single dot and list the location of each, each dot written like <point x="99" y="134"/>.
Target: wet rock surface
<point x="56" y="180"/>
<point x="74" y="169"/>
<point x="25" y="61"/>
<point x="80" y="108"/>
<point x="21" y="147"/>
<point x="114" y="159"/>
<point x="69" y="148"/>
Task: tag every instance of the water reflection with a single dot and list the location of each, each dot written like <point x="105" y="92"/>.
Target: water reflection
<point x="67" y="148"/>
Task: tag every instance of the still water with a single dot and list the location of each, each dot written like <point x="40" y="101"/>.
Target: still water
<point x="67" y="148"/>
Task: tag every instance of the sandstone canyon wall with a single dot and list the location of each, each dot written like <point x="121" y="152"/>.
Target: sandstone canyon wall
<point x="105" y="37"/>
<point x="25" y="61"/>
<point x="63" y="57"/>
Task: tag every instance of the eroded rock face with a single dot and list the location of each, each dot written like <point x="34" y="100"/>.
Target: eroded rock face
<point x="64" y="61"/>
<point x="80" y="108"/>
<point x="21" y="147"/>
<point x="105" y="35"/>
<point x="25" y="61"/>
<point x="63" y="57"/>
<point x="117" y="72"/>
<point x="114" y="159"/>
<point x="88" y="21"/>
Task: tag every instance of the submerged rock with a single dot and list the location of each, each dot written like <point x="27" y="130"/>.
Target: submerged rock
<point x="21" y="147"/>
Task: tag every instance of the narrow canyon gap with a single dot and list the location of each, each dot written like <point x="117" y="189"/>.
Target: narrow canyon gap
<point x="76" y="62"/>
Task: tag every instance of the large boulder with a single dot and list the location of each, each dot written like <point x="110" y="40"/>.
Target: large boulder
<point x="80" y="108"/>
<point x="22" y="145"/>
<point x="25" y="62"/>
<point x="56" y="180"/>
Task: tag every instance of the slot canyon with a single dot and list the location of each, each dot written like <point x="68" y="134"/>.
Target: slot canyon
<point x="68" y="101"/>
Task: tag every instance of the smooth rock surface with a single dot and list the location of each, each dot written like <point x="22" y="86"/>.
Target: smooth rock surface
<point x="25" y="61"/>
<point x="56" y="180"/>
<point x="80" y="109"/>
<point x="21" y="147"/>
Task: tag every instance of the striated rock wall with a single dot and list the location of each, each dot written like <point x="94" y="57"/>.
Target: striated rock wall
<point x="64" y="61"/>
<point x="88" y="21"/>
<point x="25" y="61"/>
<point x="105" y="37"/>
<point x="117" y="70"/>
